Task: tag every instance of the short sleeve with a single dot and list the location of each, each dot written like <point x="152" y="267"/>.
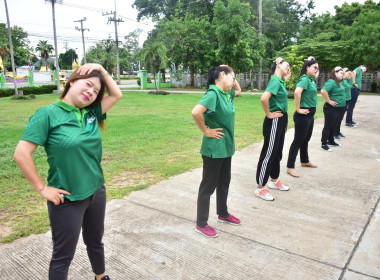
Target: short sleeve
<point x="329" y="85"/>
<point x="273" y="86"/>
<point x="209" y="100"/>
<point x="303" y="83"/>
<point x="37" y="129"/>
<point x="97" y="111"/>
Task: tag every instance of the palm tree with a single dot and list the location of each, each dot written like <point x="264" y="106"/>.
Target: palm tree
<point x="4" y="52"/>
<point x="153" y="57"/>
<point x="45" y="50"/>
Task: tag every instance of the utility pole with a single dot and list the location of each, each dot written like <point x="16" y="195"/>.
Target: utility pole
<point x="66" y="46"/>
<point x="82" y="29"/>
<point x="11" y="49"/>
<point x="55" y="42"/>
<point x="260" y="35"/>
<point x="116" y="38"/>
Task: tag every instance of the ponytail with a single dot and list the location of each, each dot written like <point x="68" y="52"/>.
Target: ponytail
<point x="214" y="73"/>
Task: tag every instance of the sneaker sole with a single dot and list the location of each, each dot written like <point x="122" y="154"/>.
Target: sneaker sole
<point x="196" y="230"/>
<point x="326" y="150"/>
<point x="266" y="199"/>
<point x="227" y="222"/>
<point x="277" y="189"/>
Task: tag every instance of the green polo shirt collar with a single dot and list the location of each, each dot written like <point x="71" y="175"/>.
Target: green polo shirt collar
<point x="70" y="108"/>
<point x="226" y="95"/>
<point x="277" y="77"/>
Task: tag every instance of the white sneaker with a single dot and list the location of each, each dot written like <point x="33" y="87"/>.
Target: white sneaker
<point x="277" y="185"/>
<point x="264" y="194"/>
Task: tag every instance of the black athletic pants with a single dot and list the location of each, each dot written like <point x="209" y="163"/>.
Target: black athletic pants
<point x="331" y="120"/>
<point x="351" y="106"/>
<point x="271" y="153"/>
<point x="342" y="111"/>
<point x="66" y="220"/>
<point x="216" y="174"/>
<point x="303" y="129"/>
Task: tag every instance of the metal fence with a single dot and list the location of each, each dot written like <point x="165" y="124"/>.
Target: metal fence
<point x="247" y="80"/>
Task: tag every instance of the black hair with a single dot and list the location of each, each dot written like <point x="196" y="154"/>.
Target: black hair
<point x="307" y="63"/>
<point x="273" y="68"/>
<point x="214" y="73"/>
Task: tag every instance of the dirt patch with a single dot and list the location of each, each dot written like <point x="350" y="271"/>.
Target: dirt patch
<point x="131" y="179"/>
<point x="5" y="228"/>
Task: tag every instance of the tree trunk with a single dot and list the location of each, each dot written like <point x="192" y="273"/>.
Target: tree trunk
<point x="191" y="75"/>
<point x="155" y="80"/>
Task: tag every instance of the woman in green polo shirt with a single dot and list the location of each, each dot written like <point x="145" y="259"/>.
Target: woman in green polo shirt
<point x="76" y="198"/>
<point x="347" y="89"/>
<point x="306" y="101"/>
<point x="215" y="117"/>
<point x="275" y="104"/>
<point x="335" y="96"/>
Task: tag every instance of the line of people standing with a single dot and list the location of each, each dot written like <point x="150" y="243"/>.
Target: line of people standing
<point x="214" y="115"/>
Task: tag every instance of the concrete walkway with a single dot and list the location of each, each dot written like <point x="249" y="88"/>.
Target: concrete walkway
<point x="326" y="227"/>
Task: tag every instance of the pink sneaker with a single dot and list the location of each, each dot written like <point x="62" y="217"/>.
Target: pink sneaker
<point x="229" y="219"/>
<point x="207" y="231"/>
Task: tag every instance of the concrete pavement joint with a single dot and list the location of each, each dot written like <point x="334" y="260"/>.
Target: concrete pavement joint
<point x="364" y="274"/>
<point x="357" y="243"/>
<point x="245" y="238"/>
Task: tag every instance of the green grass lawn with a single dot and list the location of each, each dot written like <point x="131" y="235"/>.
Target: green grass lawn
<point x="148" y="138"/>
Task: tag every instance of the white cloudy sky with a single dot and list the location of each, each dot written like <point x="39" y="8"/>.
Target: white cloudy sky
<point x="35" y="16"/>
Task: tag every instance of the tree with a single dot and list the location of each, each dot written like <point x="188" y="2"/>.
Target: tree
<point x="45" y="50"/>
<point x="67" y="58"/>
<point x="20" y="42"/>
<point x="105" y="54"/>
<point x="167" y="8"/>
<point x="238" y="43"/>
<point x="4" y="52"/>
<point x="190" y="41"/>
<point x="153" y="57"/>
<point x="364" y="38"/>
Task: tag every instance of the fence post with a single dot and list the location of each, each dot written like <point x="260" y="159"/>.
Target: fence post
<point x="55" y="77"/>
<point x="2" y="80"/>
<point x="30" y="78"/>
<point x="143" y="79"/>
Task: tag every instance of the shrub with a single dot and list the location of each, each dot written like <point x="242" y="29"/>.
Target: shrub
<point x="45" y="89"/>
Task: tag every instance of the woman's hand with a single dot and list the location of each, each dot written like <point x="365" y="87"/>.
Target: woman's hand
<point x="54" y="195"/>
<point x="89" y="67"/>
<point x="214" y="133"/>
<point x="303" y="111"/>
<point x="276" y="114"/>
<point x="333" y="103"/>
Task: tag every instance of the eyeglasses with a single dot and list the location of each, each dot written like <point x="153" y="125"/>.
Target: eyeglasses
<point x="316" y="68"/>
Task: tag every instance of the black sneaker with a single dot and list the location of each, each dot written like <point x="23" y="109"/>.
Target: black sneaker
<point x="349" y="125"/>
<point x="333" y="144"/>
<point x="341" y="135"/>
<point x="104" y="278"/>
<point x="355" y="123"/>
<point x="337" y="137"/>
<point x="326" y="148"/>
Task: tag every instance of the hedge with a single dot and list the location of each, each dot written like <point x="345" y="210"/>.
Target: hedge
<point x="46" y="89"/>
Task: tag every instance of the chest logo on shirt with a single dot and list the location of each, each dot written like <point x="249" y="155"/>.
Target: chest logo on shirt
<point x="91" y="120"/>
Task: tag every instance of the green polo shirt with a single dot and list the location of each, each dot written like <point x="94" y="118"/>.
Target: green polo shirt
<point x="336" y="93"/>
<point x="279" y="98"/>
<point x="309" y="97"/>
<point x="220" y="113"/>
<point x="73" y="146"/>
<point x="347" y="89"/>
<point x="358" y="79"/>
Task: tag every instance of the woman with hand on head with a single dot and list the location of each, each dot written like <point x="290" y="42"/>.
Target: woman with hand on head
<point x="306" y="101"/>
<point x="275" y="104"/>
<point x="347" y="89"/>
<point x="335" y="96"/>
<point x="215" y="117"/>
<point x="76" y="197"/>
